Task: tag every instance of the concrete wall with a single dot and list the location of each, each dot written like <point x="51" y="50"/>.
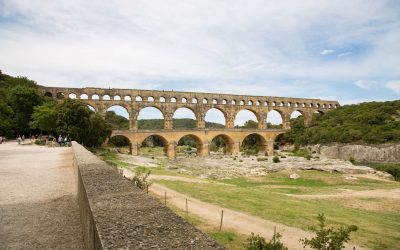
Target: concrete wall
<point x="117" y="215"/>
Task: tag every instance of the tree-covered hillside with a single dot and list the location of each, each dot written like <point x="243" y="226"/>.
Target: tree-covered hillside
<point x="370" y="122"/>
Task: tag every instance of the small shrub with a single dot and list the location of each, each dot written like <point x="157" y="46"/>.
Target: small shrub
<point x="262" y="159"/>
<point x="240" y="160"/>
<point x="283" y="156"/>
<point x="276" y="159"/>
<point x="152" y="157"/>
<point x="257" y="242"/>
<point x="352" y="160"/>
<point x="308" y="157"/>
<point x="328" y="238"/>
<point x="140" y="178"/>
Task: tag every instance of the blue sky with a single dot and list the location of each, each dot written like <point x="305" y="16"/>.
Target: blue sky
<point x="339" y="50"/>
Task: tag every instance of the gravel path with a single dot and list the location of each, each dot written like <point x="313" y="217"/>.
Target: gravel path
<point x="38" y="206"/>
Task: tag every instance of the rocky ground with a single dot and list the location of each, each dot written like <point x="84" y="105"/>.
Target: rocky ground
<point x="226" y="166"/>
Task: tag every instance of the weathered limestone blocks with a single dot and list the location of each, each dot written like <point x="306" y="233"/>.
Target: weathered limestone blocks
<point x="389" y="153"/>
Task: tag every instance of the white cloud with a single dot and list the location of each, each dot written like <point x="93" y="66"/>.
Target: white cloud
<point x="344" y="54"/>
<point x="364" y="84"/>
<point x="261" y="47"/>
<point x="327" y="52"/>
<point x="394" y="86"/>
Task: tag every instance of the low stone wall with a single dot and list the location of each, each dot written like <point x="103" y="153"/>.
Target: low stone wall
<point x="117" y="215"/>
<point x="385" y="153"/>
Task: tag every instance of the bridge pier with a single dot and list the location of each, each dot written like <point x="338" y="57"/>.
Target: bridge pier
<point x="135" y="148"/>
<point x="171" y="150"/>
<point x="235" y="148"/>
<point x="270" y="147"/>
<point x="205" y="149"/>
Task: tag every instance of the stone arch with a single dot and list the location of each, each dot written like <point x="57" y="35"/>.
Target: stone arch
<point x="48" y="94"/>
<point x="120" y="110"/>
<point x="173" y="99"/>
<point x="246" y="113"/>
<point x="60" y="95"/>
<point x="127" y="98"/>
<point x="242" y="102"/>
<point x="153" y="141"/>
<point x="117" y="98"/>
<point x="214" y="101"/>
<point x="106" y="98"/>
<point x="72" y="96"/>
<point x="254" y="143"/>
<point x="258" y="103"/>
<point x="194" y="100"/>
<point x="84" y="97"/>
<point x="92" y="108"/>
<point x="296" y="114"/>
<point x="215" y="115"/>
<point x="95" y="97"/>
<point x="162" y="99"/>
<point x="224" y="101"/>
<point x="222" y="141"/>
<point x="266" y="103"/>
<point x="275" y="119"/>
<point x="205" y="101"/>
<point x="250" y="103"/>
<point x="138" y="98"/>
<point x="150" y="113"/>
<point x="183" y="113"/>
<point x="233" y="102"/>
<point x="150" y="99"/>
<point x="198" y="143"/>
<point x="121" y="142"/>
<point x="184" y="100"/>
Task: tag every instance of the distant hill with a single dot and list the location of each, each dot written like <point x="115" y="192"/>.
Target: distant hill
<point x="369" y="122"/>
<point x="120" y="122"/>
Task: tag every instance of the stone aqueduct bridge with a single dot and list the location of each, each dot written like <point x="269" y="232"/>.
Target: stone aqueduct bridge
<point x="133" y="100"/>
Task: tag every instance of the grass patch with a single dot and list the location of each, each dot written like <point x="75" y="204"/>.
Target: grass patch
<point x="266" y="198"/>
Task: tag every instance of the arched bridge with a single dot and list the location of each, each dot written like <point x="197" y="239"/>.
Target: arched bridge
<point x="133" y="100"/>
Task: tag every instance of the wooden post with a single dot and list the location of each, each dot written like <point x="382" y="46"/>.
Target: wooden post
<point x="222" y="216"/>
<point x="165" y="198"/>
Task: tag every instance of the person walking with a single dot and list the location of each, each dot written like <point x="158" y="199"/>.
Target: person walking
<point x="1" y="139"/>
<point x="60" y="140"/>
<point x="19" y="139"/>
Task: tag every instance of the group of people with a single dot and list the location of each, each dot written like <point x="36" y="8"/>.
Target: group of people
<point x="64" y="141"/>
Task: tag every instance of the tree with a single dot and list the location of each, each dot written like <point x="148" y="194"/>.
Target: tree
<point x="329" y="238"/>
<point x="23" y="99"/>
<point x="6" y="122"/>
<point x="81" y="124"/>
<point x="44" y="117"/>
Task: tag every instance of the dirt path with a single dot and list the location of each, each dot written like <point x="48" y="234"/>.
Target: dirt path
<point x="38" y="207"/>
<point x="240" y="222"/>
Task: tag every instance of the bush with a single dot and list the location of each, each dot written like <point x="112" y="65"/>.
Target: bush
<point x="140" y="178"/>
<point x="256" y="242"/>
<point x="308" y="157"/>
<point x="352" y="160"/>
<point x="240" y="160"/>
<point x="393" y="169"/>
<point x="276" y="159"/>
<point x="262" y="159"/>
<point x="328" y="238"/>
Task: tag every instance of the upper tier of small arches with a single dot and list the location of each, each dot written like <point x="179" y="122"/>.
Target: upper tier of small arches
<point x="181" y="98"/>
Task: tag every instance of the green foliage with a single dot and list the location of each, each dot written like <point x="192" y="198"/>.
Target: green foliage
<point x="257" y="242"/>
<point x="352" y="160"/>
<point x="6" y="121"/>
<point x="393" y="169"/>
<point x="370" y="122"/>
<point x="44" y="117"/>
<point x="117" y="122"/>
<point x="81" y="124"/>
<point x="276" y="159"/>
<point x="22" y="99"/>
<point x="329" y="238"/>
<point x="140" y="178"/>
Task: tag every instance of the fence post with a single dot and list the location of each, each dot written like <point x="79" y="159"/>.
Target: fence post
<point x="222" y="216"/>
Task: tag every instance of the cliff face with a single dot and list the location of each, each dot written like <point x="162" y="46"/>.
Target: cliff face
<point x="387" y="153"/>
